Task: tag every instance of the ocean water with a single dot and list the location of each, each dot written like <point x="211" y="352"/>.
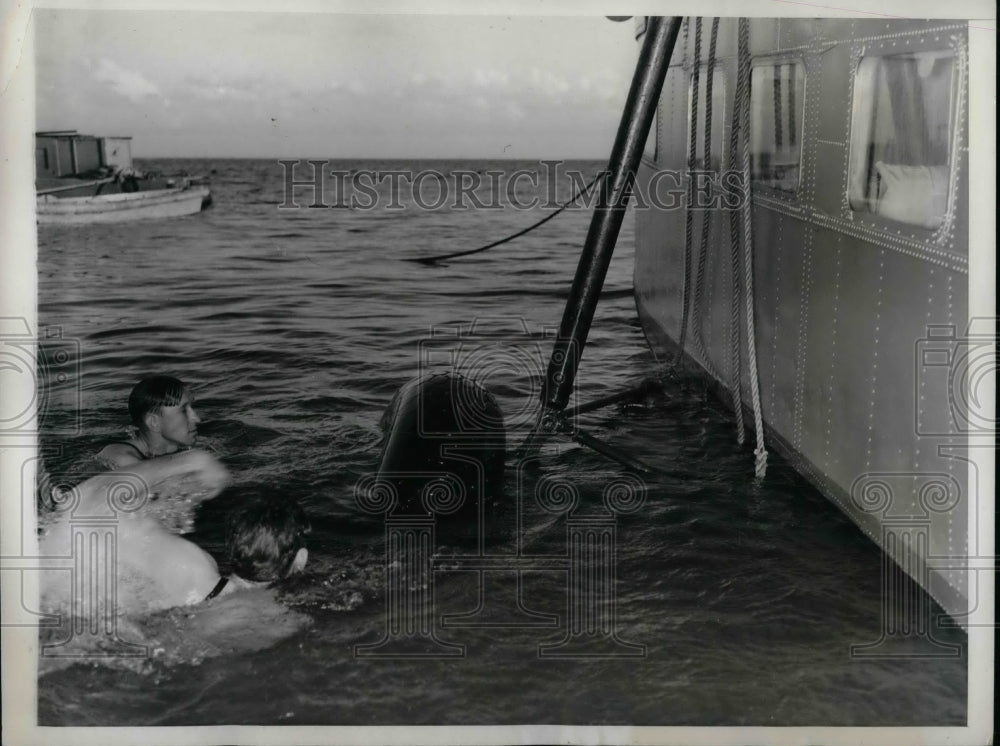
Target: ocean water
<point x="294" y="328"/>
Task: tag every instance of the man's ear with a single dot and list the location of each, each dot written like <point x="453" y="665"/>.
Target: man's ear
<point x="299" y="563"/>
<point x="152" y="421"/>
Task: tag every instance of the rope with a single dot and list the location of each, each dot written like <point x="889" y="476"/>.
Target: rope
<point x="760" y="452"/>
<point x="434" y="259"/>
<point x="791" y="106"/>
<point x="688" y="212"/>
<point x="706" y="215"/>
<point x="742" y="81"/>
<point x="777" y="108"/>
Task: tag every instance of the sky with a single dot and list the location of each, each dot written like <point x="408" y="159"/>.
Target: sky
<point x="335" y="85"/>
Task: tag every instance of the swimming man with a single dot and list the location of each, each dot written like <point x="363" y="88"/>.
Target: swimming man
<point x="162" y="412"/>
<point x="156" y="569"/>
<point x="166" y="424"/>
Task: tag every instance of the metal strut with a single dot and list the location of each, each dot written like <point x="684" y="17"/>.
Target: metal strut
<point x="605" y="225"/>
<point x="640" y="107"/>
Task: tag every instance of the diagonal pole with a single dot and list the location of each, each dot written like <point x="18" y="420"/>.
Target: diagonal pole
<point x="640" y="107"/>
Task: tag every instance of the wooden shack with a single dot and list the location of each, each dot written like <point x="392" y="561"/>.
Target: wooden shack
<point x="68" y="153"/>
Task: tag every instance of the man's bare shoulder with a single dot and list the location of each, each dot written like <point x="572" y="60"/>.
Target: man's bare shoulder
<point x="173" y="570"/>
<point x="118" y="455"/>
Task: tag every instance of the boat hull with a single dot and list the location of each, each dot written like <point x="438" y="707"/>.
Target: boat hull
<point x="116" y="208"/>
<point x="846" y="306"/>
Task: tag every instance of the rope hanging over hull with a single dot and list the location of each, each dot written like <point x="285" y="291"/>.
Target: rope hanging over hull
<point x="688" y="212"/>
<point x="706" y="215"/>
<point x="748" y="295"/>
<point x="741" y="234"/>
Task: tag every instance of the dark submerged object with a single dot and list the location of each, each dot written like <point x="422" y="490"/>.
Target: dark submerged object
<point x="443" y="454"/>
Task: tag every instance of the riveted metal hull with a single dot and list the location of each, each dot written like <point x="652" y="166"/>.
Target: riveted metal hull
<point x="846" y="304"/>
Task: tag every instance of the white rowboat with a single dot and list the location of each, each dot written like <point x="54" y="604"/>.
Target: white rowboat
<point x="114" y="208"/>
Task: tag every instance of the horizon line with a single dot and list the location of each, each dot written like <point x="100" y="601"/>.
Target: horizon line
<point x="305" y="158"/>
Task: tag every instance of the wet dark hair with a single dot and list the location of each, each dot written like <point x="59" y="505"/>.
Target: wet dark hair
<point x="263" y="537"/>
<point x="44" y="496"/>
<point x="152" y="393"/>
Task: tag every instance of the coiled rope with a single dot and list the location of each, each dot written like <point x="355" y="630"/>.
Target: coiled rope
<point x="760" y="451"/>
<point x="441" y="257"/>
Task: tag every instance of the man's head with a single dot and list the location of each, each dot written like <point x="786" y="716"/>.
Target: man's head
<point x="266" y="539"/>
<point x="161" y="407"/>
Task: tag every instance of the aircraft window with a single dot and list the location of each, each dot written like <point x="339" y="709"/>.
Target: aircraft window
<point x="718" y="115"/>
<point x="776" y="106"/>
<point x="901" y="135"/>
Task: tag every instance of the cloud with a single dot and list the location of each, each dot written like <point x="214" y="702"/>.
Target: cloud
<point x="491" y="79"/>
<point x="215" y="91"/>
<point x="514" y="112"/>
<point x="128" y="83"/>
<point x="548" y="83"/>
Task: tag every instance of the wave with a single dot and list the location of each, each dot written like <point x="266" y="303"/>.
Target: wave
<point x="129" y="330"/>
<point x="273" y="259"/>
<point x="240" y="622"/>
<point x="555" y="292"/>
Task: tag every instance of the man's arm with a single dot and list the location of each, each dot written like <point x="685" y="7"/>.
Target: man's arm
<point x="197" y="464"/>
<point x="144" y="476"/>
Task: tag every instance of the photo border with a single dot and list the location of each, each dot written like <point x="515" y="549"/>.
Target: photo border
<point x="18" y="298"/>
